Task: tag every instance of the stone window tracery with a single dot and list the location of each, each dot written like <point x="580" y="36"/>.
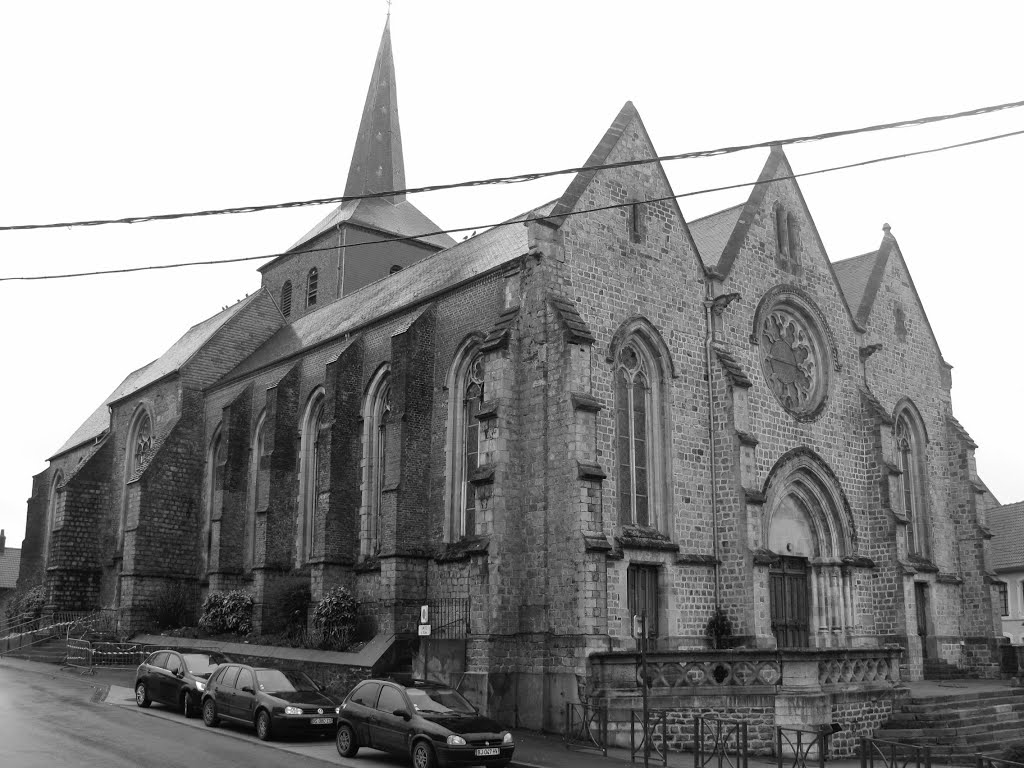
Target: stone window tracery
<point x="310" y="448"/>
<point x="466" y="395"/>
<point x="910" y="457"/>
<point x="255" y="473"/>
<point x="376" y="417"/>
<point x="794" y="358"/>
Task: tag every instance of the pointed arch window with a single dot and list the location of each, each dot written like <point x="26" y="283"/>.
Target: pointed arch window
<point x="216" y="458"/>
<point x="309" y="477"/>
<point x="286" y="298"/>
<point x="376" y="417"/>
<point x="137" y="451"/>
<point x="311" y="284"/>
<point x="51" y="513"/>
<point x="787" y="241"/>
<point x="257" y="450"/>
<point x="466" y="395"/>
<point x="642" y="454"/>
<point x="910" y="458"/>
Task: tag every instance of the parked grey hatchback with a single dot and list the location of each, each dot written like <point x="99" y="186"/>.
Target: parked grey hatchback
<point x="176" y="678"/>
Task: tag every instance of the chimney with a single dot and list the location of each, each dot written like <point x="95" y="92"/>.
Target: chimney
<point x="3" y="541"/>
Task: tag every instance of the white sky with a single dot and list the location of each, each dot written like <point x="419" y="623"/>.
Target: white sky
<point x="117" y="109"/>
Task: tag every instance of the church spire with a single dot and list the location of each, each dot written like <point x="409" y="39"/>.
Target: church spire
<point x="377" y="164"/>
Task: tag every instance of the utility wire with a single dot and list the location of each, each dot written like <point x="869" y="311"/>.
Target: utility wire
<point x="528" y="219"/>
<point x="520" y="178"/>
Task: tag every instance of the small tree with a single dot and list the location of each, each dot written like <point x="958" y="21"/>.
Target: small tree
<point x="719" y="629"/>
<point x="334" y="620"/>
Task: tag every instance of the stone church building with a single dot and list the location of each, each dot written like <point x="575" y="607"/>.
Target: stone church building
<point x="594" y="411"/>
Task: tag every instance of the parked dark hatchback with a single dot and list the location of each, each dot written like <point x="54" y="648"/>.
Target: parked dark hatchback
<point x="176" y="678"/>
<point x="429" y="722"/>
<point x="274" y="701"/>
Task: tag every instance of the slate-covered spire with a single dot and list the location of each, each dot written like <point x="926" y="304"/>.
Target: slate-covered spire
<point x="377" y="164"/>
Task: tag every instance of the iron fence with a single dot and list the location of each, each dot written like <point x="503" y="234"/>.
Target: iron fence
<point x="892" y="754"/>
<point x="985" y="761"/>
<point x="651" y="738"/>
<point x="722" y="743"/>
<point x="800" y="747"/>
<point x="586" y="728"/>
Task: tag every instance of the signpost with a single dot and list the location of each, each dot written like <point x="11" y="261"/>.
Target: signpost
<point x="424" y="632"/>
<point x="640" y="633"/>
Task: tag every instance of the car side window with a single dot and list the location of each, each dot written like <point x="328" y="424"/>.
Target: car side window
<point x="390" y="699"/>
<point x="366" y="694"/>
<point x="173" y="664"/>
<point x="229" y="677"/>
<point x="245" y="678"/>
<point x="158" y="659"/>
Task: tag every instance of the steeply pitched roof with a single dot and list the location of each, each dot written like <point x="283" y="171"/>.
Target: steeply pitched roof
<point x="378" y="166"/>
<point x="853" y="275"/>
<point x="10" y="564"/>
<point x="169" y="362"/>
<point x="417" y="282"/>
<point x="711" y="233"/>
<point x="1007" y="526"/>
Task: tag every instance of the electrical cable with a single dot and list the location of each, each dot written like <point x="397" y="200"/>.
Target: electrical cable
<point x="525" y="177"/>
<point x="528" y="219"/>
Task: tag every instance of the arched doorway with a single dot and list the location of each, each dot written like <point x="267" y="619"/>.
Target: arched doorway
<point x="808" y="532"/>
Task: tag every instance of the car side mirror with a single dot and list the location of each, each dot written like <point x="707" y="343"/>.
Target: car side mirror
<point x="402" y="714"/>
<point x="247" y="689"/>
<point x="179" y="673"/>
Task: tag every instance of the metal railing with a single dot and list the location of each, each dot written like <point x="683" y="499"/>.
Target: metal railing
<point x="86" y="656"/>
<point x="651" y="740"/>
<point x="892" y="754"/>
<point x="800" y="747"/>
<point x="985" y="761"/>
<point x="586" y="728"/>
<point x="722" y="743"/>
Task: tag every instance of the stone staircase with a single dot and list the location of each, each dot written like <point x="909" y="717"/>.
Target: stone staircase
<point x="959" y="725"/>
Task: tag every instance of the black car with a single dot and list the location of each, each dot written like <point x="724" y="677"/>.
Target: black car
<point x="432" y="723"/>
<point x="176" y="678"/>
<point x="274" y="701"/>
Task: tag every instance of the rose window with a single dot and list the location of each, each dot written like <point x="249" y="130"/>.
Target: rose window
<point x="791" y="361"/>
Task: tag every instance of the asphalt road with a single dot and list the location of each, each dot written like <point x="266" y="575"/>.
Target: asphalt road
<point x="54" y="721"/>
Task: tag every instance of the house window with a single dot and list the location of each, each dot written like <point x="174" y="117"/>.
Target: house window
<point x="311" y="282"/>
<point x="642" y="598"/>
<point x="257" y="450"/>
<point x="1004" y="598"/>
<point x="376" y="416"/>
<point x="286" y="298"/>
<point x="466" y="394"/>
<point x="309" y="475"/>
<point x="636" y="225"/>
<point x="910" y="456"/>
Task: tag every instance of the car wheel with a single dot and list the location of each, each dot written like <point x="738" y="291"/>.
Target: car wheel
<point x="263" y="730"/>
<point x="423" y="755"/>
<point x="142" y="695"/>
<point x="210" y="713"/>
<point x="345" y="741"/>
<point x="188" y="705"/>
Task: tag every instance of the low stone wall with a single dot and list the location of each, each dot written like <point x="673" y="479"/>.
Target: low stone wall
<point x="854" y="689"/>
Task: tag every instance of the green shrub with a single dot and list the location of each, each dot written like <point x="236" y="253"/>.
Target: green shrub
<point x="334" y="620"/>
<point x="27" y="605"/>
<point x="227" y="612"/>
<point x="171" y="607"/>
<point x="719" y="629"/>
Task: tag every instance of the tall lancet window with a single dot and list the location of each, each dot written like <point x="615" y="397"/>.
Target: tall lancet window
<point x="257" y="450"/>
<point x="216" y="458"/>
<point x="465" y="397"/>
<point x="310" y="447"/>
<point x="632" y="417"/>
<point x="642" y="446"/>
<point x="910" y="454"/>
<point x="376" y="416"/>
<point x="311" y="286"/>
<point x="137" y="451"/>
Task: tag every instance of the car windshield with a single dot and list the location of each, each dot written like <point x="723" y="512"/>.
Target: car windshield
<point x="202" y="663"/>
<point x="283" y="680"/>
<point x="439" y="701"/>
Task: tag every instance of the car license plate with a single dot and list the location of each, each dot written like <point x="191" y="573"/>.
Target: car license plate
<point x="487" y="751"/>
<point x="322" y="720"/>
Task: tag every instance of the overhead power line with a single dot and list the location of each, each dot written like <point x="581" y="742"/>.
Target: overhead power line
<point x="526" y="220"/>
<point x="525" y="177"/>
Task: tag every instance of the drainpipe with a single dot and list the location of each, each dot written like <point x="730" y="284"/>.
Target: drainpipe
<point x="709" y="337"/>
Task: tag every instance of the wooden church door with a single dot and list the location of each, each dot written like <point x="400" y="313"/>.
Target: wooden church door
<point x="790" y="612"/>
